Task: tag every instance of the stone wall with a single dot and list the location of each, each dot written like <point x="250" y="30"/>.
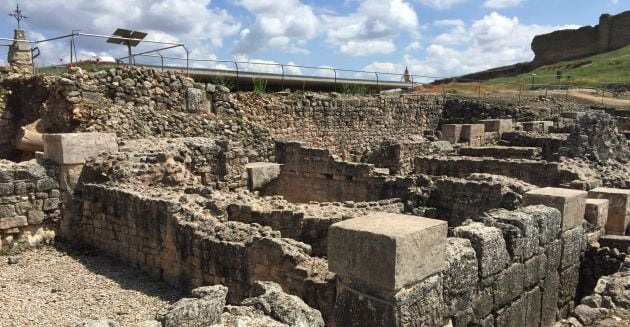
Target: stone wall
<point x="190" y="248"/>
<point x="511" y="268"/>
<point x="539" y="173"/>
<point x="463" y="111"/>
<point x="309" y="174"/>
<point x="459" y="199"/>
<point x="190" y="161"/>
<point x="516" y="269"/>
<point x="307" y="223"/>
<point x="552" y="145"/>
<point x="398" y="156"/>
<point x="344" y="124"/>
<point x="611" y="33"/>
<point x="29" y="203"/>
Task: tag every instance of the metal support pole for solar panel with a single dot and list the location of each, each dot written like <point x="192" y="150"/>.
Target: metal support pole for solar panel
<point x="129" y="53"/>
<point x="282" y="67"/>
<point x="238" y="86"/>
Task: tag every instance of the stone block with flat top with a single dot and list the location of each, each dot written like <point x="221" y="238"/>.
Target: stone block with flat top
<point x="473" y="134"/>
<point x="451" y="132"/>
<point x="75" y="148"/>
<point x="618" y="208"/>
<point x="498" y="125"/>
<point x="386" y="251"/>
<point x="260" y="174"/>
<point x="570" y="203"/>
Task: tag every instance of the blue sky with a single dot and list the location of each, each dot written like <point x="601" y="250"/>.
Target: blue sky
<point x="431" y="37"/>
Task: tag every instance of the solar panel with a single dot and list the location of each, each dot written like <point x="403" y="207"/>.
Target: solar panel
<point x="124" y="33"/>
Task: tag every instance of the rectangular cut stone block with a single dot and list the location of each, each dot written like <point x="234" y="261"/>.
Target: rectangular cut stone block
<point x="489" y="245"/>
<point x="539" y="126"/>
<point x="596" y="213"/>
<point x="474" y="134"/>
<point x="451" y="132"/>
<point x="618" y="208"/>
<point x="75" y="148"/>
<point x="12" y="222"/>
<point x="261" y="173"/>
<point x="498" y="125"/>
<point x="570" y="203"/>
<point x="387" y="251"/>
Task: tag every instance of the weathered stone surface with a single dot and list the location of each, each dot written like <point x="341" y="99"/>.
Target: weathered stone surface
<point x="497" y="125"/>
<point x="261" y="173"/>
<point x="513" y="315"/>
<point x="196" y="100"/>
<point x="550" y="288"/>
<point x="520" y="231"/>
<point x="571" y="247"/>
<point x="192" y="312"/>
<point x="419" y="305"/>
<point x="535" y="270"/>
<point x="489" y="245"/>
<point x="596" y="213"/>
<point x="569" y="279"/>
<point x="473" y="134"/>
<point x="618" y="208"/>
<point x="451" y="132"/>
<point x="398" y="249"/>
<point x="508" y="285"/>
<point x="75" y="148"/>
<point x="288" y="309"/>
<point x="96" y="323"/>
<point x="571" y="203"/>
<point x="12" y="222"/>
<point x="533" y="307"/>
<point x="461" y="265"/>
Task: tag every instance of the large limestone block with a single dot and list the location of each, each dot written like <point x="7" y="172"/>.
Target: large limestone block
<point x="570" y="203"/>
<point x="498" y="125"/>
<point x="618" y="208"/>
<point x="474" y="134"/>
<point x="387" y="251"/>
<point x="596" y="213"/>
<point x="75" y="148"/>
<point x="489" y="245"/>
<point x="261" y="173"/>
<point x="451" y="132"/>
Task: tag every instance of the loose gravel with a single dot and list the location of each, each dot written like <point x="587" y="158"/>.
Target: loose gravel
<point x="57" y="286"/>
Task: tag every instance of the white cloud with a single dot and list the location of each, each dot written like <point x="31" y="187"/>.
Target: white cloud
<point x="280" y="25"/>
<point x="498" y="4"/>
<point x="489" y="42"/>
<point x="372" y="28"/>
<point x="366" y="48"/>
<point x="188" y="21"/>
<point x="441" y="4"/>
<point x="449" y="22"/>
<point x="413" y="46"/>
<point x="614" y="2"/>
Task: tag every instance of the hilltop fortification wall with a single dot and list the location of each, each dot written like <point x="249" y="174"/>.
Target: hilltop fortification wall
<point x="613" y="32"/>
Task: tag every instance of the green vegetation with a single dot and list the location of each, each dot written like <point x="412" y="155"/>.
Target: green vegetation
<point x="598" y="70"/>
<point x="224" y="81"/>
<point x="260" y="86"/>
<point x="354" y="89"/>
<point x="17" y="248"/>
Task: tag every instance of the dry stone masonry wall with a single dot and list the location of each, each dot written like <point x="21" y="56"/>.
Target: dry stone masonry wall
<point x="344" y="124"/>
<point x="29" y="203"/>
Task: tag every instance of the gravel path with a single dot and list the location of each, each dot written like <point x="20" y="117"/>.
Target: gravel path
<point x="56" y="287"/>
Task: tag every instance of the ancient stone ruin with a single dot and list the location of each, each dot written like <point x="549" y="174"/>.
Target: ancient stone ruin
<point x="312" y="209"/>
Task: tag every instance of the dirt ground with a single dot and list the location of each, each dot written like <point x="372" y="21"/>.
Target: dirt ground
<point x="55" y="286"/>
